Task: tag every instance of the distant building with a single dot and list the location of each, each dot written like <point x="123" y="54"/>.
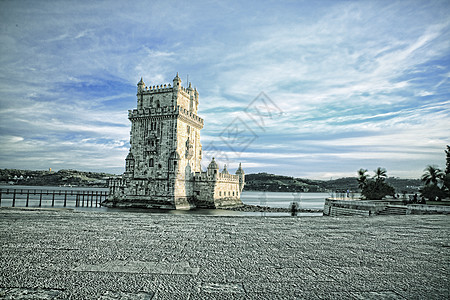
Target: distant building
<point x="162" y="169"/>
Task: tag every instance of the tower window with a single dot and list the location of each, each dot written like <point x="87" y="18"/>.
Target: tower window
<point x="151" y="162"/>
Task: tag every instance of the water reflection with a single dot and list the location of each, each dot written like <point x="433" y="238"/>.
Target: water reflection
<point x="312" y="201"/>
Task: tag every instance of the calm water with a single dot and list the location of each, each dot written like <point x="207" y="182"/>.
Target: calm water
<point x="271" y="199"/>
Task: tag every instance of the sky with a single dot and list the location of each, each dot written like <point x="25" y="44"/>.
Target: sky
<point x="315" y="89"/>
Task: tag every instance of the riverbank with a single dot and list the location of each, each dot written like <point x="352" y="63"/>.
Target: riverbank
<point x="259" y="208"/>
<point x="100" y="255"/>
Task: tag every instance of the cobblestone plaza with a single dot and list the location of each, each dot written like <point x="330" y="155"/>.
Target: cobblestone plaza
<point x="98" y="255"/>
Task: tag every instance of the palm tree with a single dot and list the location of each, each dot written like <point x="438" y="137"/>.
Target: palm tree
<point x="362" y="178"/>
<point x="380" y="174"/>
<point x="432" y="175"/>
<point x="447" y="169"/>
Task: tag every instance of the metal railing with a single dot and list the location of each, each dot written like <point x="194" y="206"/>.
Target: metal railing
<point x="53" y="198"/>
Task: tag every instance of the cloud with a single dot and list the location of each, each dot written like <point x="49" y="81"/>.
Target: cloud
<point x="358" y="83"/>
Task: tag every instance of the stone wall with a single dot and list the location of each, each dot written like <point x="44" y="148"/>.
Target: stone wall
<point x="334" y="207"/>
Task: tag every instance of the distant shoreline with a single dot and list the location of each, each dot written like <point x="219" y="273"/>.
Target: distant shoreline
<point x="258" y="182"/>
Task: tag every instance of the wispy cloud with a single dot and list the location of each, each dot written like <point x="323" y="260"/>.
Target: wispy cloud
<point x="359" y="84"/>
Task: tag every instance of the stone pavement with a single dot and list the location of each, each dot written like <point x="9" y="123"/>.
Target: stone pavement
<point x="97" y="255"/>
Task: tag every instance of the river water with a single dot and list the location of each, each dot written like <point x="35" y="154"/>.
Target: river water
<point x="313" y="201"/>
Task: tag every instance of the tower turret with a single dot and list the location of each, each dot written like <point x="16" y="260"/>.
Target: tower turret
<point x="129" y="164"/>
<point x="225" y="171"/>
<point x="176" y="82"/>
<point x="240" y="172"/>
<point x="213" y="168"/>
<point x="196" y="99"/>
<point x="140" y="85"/>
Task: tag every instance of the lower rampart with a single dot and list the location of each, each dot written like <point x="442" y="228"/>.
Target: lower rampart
<point x="338" y="207"/>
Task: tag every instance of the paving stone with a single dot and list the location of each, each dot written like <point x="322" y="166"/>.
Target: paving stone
<point x="110" y="295"/>
<point x="93" y="255"/>
<point x="24" y="293"/>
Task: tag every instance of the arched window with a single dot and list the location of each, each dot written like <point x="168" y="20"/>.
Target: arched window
<point x="151" y="162"/>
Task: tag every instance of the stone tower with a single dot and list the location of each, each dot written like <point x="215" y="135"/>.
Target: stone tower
<point x="163" y="166"/>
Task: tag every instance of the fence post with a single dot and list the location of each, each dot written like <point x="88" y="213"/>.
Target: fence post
<point x="65" y="198"/>
<point x="14" y="198"/>
<point x="28" y="197"/>
<point x="40" y="199"/>
<point x="1" y="191"/>
<point x="76" y="200"/>
<point x="53" y="199"/>
<point x="82" y="201"/>
<point x="96" y="198"/>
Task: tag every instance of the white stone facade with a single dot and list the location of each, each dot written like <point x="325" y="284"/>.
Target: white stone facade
<point x="162" y="169"/>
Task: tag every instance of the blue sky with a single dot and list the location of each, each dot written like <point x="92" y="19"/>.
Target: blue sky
<point x="313" y="89"/>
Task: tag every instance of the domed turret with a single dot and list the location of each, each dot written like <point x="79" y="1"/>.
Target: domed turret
<point x="213" y="164"/>
<point x="141" y="85"/>
<point x="213" y="168"/>
<point x="129" y="164"/>
<point x="177" y="82"/>
<point x="225" y="171"/>
<point x="240" y="172"/>
<point x="130" y="156"/>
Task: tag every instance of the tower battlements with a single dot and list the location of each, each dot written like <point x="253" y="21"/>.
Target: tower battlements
<point x="166" y="88"/>
<point x="158" y="113"/>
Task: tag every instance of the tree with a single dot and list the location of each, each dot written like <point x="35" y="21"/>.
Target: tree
<point x="431" y="192"/>
<point x="377" y="188"/>
<point x="446" y="186"/>
<point x="362" y="178"/>
<point x="380" y="174"/>
<point x="431" y="178"/>
<point x="446" y="179"/>
<point x="433" y="175"/>
<point x="447" y="169"/>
